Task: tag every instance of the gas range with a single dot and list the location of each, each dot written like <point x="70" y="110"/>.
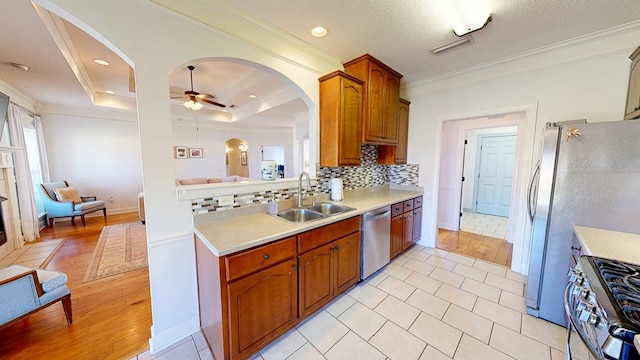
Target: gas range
<point x="603" y="306"/>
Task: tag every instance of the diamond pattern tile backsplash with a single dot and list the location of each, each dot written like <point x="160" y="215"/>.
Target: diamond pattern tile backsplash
<point x="368" y="174"/>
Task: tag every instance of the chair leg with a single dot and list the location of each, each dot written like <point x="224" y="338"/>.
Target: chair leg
<point x="50" y="223"/>
<point x="73" y="218"/>
<point x="66" y="305"/>
<point x="104" y="211"/>
<point x="84" y="224"/>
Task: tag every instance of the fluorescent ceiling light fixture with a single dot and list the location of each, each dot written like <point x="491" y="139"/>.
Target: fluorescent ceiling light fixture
<point x="453" y="45"/>
<point x="110" y="92"/>
<point x="22" y="67"/>
<point x="192" y="105"/>
<point x="319" y="31"/>
<point x="101" y="62"/>
<point x="466" y="16"/>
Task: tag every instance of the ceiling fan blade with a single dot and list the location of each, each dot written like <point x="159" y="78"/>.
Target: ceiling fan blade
<point x="213" y="103"/>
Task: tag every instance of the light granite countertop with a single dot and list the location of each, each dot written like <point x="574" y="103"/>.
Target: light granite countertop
<point x="228" y="236"/>
<point x="609" y="244"/>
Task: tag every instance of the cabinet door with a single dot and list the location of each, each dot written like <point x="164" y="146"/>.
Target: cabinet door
<point x="407" y="230"/>
<point x="350" y="126"/>
<point x="346" y="262"/>
<point x="396" y="235"/>
<point x="417" y="224"/>
<point x="632" y="109"/>
<point x="392" y="101"/>
<point x="376" y="101"/>
<point x="262" y="307"/>
<point x="316" y="279"/>
<point x="403" y="133"/>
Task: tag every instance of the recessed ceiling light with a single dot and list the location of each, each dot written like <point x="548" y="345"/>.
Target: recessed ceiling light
<point x="253" y="96"/>
<point x="22" y="67"/>
<point x="319" y="32"/>
<point x="110" y="92"/>
<point x="101" y="62"/>
<point x="225" y="110"/>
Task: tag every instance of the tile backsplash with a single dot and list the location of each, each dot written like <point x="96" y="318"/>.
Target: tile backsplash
<point x="368" y="174"/>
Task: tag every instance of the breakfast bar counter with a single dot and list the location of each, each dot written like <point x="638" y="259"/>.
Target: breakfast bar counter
<point x="246" y="231"/>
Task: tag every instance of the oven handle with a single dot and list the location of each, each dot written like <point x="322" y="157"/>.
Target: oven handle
<point x="569" y="306"/>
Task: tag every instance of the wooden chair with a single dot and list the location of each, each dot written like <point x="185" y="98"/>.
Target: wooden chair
<point x="69" y="205"/>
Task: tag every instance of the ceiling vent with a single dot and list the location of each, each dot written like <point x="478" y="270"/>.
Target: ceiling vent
<point x="467" y="40"/>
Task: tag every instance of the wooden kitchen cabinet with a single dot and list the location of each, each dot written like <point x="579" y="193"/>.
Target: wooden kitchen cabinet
<point x="417" y="219"/>
<point x="341" y="97"/>
<point x="401" y="227"/>
<point x="389" y="154"/>
<point x="261" y="306"/>
<point x="247" y="299"/>
<point x="329" y="263"/>
<point x="632" y="110"/>
<point x="380" y="101"/>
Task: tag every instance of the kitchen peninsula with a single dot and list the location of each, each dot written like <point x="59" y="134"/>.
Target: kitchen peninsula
<point x="259" y="275"/>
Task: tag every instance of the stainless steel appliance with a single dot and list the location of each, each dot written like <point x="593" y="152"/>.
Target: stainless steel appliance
<point x="602" y="302"/>
<point x="588" y="175"/>
<point x="376" y="240"/>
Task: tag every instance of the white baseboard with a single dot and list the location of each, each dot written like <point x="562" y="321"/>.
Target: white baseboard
<point x="169" y="337"/>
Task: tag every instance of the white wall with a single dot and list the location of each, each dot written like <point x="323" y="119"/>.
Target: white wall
<point x="212" y="141"/>
<point x="99" y="156"/>
<point x="126" y="27"/>
<point x="593" y="88"/>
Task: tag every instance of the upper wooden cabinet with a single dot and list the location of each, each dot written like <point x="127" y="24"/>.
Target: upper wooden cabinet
<point x="380" y="101"/>
<point x="341" y="97"/>
<point x="632" y="111"/>
<point x="388" y="154"/>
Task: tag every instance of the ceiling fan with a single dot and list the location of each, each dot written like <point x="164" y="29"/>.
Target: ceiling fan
<point x="194" y="99"/>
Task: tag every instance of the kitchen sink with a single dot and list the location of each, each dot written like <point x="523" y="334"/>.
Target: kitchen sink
<point x="299" y="215"/>
<point x="329" y="208"/>
<point x="313" y="212"/>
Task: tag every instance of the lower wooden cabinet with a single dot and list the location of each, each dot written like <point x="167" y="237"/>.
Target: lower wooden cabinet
<point x="261" y="307"/>
<point x="406" y="225"/>
<point x="328" y="270"/>
<point x="250" y="298"/>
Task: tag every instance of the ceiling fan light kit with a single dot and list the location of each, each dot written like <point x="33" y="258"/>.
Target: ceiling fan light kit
<point x="195" y="100"/>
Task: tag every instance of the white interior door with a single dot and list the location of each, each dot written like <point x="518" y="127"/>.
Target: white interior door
<point x="495" y="176"/>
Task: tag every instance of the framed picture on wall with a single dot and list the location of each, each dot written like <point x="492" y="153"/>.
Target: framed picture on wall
<point x="180" y="152"/>
<point x="243" y="158"/>
<point x="195" y="152"/>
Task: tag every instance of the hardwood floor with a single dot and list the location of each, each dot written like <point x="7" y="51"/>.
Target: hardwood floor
<point x="111" y="316"/>
<point x="478" y="246"/>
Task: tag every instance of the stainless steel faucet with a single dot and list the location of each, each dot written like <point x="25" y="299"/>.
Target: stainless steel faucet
<point x="300" y="199"/>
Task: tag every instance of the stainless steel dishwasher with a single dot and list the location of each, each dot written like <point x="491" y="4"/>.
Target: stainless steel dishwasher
<point x="376" y="240"/>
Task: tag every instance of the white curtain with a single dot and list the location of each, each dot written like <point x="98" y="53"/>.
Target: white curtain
<point x="44" y="162"/>
<point x="26" y="196"/>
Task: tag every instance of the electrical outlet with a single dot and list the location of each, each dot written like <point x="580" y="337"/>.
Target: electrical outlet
<point x="225" y="200"/>
<point x="111" y="198"/>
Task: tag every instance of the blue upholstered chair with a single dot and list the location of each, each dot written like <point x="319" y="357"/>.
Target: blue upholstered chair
<point x="24" y="291"/>
<point x="58" y="205"/>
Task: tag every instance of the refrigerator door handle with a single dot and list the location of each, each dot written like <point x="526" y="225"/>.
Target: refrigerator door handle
<point x="531" y="204"/>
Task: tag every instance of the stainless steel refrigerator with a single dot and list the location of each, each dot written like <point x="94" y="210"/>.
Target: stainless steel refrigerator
<point x="588" y="175"/>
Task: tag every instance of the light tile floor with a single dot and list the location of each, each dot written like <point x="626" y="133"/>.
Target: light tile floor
<point x="427" y="304"/>
<point x="488" y="225"/>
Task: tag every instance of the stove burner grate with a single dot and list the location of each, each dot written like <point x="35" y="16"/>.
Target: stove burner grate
<point x="623" y="282"/>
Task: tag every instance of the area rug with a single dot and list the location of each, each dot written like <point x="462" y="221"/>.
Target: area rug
<point x="120" y="248"/>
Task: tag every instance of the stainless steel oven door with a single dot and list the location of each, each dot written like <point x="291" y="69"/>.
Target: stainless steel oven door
<point x="586" y="321"/>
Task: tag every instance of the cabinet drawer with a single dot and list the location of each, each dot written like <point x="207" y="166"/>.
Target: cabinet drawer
<point x="317" y="237"/>
<point x="248" y="262"/>
<point x="397" y="209"/>
<point x="408" y="205"/>
<point x="417" y="202"/>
